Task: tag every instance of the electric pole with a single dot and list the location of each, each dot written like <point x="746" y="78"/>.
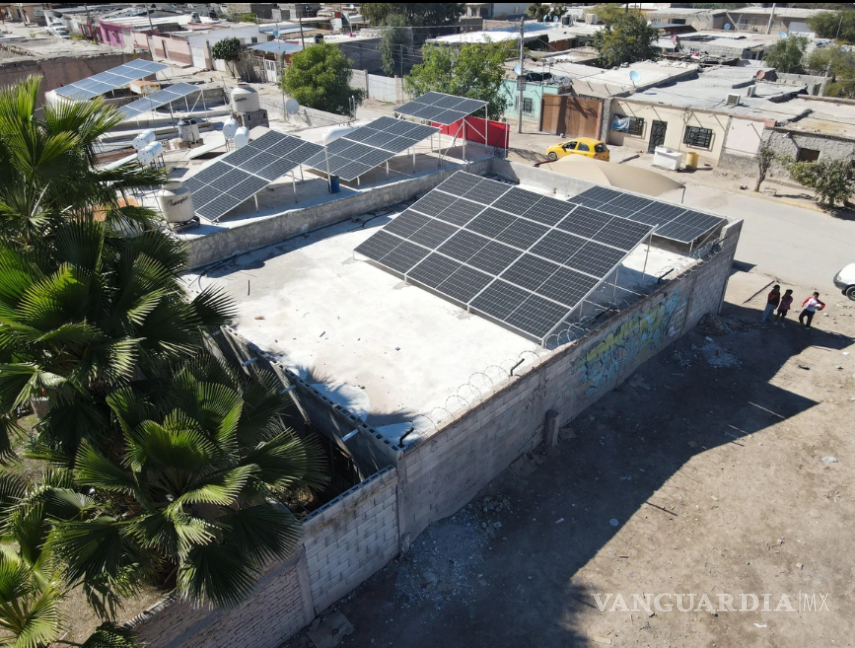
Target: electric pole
<point x="771" y="17"/>
<point x="299" y="9"/>
<point x="520" y="83"/>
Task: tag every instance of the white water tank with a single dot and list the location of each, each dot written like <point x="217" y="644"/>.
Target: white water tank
<point x="145" y="157"/>
<point x="176" y="202"/>
<point x="332" y="134"/>
<point x="245" y="99"/>
<point x="143" y="139"/>
<point x="230" y="127"/>
<point x="155" y="148"/>
<point x="241" y="137"/>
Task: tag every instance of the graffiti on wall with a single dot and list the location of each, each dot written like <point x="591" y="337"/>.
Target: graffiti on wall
<point x="630" y="344"/>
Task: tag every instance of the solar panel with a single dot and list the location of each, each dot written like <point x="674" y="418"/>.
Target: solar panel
<point x="441" y="108"/>
<point x="158" y="99"/>
<point x="671" y="221"/>
<point x="521" y="259"/>
<point x="110" y="80"/>
<point x="239" y="175"/>
<point x="368" y="147"/>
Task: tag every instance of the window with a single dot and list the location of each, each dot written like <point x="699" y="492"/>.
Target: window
<point x="600" y="148"/>
<point x="697" y="136"/>
<point x="254" y="40"/>
<point x="628" y="125"/>
<point x="528" y="105"/>
<point x="570" y="146"/>
<point x="807" y="155"/>
<point x="583" y="147"/>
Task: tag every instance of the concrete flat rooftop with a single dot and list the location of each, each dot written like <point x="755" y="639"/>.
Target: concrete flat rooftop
<point x="391" y="352"/>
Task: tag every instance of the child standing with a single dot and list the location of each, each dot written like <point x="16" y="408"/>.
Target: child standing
<point x="811" y="304"/>
<point x="772" y="301"/>
<point x="784" y="308"/>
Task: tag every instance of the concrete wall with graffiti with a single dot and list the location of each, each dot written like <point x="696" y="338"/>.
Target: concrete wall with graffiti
<point x="445" y="471"/>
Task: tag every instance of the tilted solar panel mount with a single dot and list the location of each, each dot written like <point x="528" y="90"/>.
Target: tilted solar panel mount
<point x="441" y="108"/>
<point x="523" y="260"/>
<point x="112" y="79"/>
<point x="239" y="175"/>
<point x="369" y="146"/>
<point x="158" y="99"/>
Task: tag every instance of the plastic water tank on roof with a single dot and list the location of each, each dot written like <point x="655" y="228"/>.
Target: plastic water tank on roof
<point x="245" y="99"/>
<point x="176" y="202"/>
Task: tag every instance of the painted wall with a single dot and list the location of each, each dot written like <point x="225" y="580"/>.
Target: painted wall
<point x="533" y="91"/>
<point x="677" y="119"/>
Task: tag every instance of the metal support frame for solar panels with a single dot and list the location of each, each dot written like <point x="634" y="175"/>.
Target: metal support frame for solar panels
<point x="596" y="287"/>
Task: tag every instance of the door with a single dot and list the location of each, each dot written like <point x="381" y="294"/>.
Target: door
<point x="270" y="71"/>
<point x="583" y="149"/>
<point x="197" y="54"/>
<point x="657" y="135"/>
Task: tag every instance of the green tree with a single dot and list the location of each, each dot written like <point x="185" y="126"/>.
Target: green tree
<point x="719" y="5"/>
<point x="319" y="77"/>
<point x="48" y="161"/>
<point x="832" y="181"/>
<point x="839" y="25"/>
<point x="787" y="55"/>
<point x="475" y="71"/>
<point x="625" y="38"/>
<point x="395" y="45"/>
<point x="538" y="10"/>
<point x="425" y="17"/>
<point x="765" y="158"/>
<point x="228" y="50"/>
<point x="839" y="63"/>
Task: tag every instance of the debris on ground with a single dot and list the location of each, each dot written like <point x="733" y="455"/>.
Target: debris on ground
<point x="330" y="631"/>
<point x="829" y="460"/>
<point x="713" y="325"/>
<point x="716" y="356"/>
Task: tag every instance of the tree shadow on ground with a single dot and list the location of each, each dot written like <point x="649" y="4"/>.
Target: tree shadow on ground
<point x="519" y="588"/>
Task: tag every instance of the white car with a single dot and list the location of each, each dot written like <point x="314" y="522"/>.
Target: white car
<point x="845" y="280"/>
<point x="59" y="31"/>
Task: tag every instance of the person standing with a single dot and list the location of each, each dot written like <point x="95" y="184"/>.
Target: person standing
<point x="772" y="301"/>
<point x="784" y="307"/>
<point x="811" y="305"/>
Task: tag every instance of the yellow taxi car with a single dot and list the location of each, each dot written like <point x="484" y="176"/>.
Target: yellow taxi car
<point x="586" y="146"/>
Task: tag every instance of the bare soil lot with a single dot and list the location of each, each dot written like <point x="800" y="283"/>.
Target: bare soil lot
<point x="727" y="464"/>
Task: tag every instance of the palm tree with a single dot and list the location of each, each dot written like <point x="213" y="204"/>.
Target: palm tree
<point x="83" y="313"/>
<point x="48" y="165"/>
<point x="194" y="492"/>
<point x="31" y="585"/>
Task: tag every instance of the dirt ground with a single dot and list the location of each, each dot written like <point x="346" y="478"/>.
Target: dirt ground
<point x="724" y="466"/>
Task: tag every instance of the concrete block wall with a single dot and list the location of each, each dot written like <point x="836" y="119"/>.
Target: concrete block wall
<point x="342" y="544"/>
<point x="442" y="474"/>
<point x="786" y="142"/>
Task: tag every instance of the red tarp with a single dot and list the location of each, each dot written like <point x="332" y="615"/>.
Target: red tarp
<point x="473" y="131"/>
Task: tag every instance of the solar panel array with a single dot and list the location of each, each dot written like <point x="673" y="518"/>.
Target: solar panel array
<point x="241" y="174"/>
<point x="517" y="257"/>
<point x="158" y="99"/>
<point x="117" y="77"/>
<point x="368" y="147"/>
<point x="673" y="222"/>
<point x="441" y="108"/>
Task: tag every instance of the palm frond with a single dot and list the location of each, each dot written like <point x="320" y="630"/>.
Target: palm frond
<point x="95" y="470"/>
<point x="109" y="635"/>
<point x="287" y="461"/>
<point x="214" y="308"/>
<point x="263" y="533"/>
<point x="221" y="489"/>
<point x="216" y="574"/>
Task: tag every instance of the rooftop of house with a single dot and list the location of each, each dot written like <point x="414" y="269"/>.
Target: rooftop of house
<point x="680" y="11"/>
<point x="598" y="82"/>
<point x="824" y="116"/>
<point x="710" y="89"/>
<point x="780" y="12"/>
<point x="389" y="351"/>
<point x="552" y="31"/>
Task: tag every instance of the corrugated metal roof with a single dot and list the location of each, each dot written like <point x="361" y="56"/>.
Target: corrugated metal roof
<point x="277" y="47"/>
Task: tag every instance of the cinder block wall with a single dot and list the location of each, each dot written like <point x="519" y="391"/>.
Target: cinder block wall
<point x="343" y="543"/>
<point x="442" y="474"/>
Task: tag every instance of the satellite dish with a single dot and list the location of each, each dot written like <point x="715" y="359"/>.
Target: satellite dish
<point x="241" y="137"/>
<point x="230" y="127"/>
<point x="782" y="34"/>
<point x="517" y="69"/>
<point x="292" y="106"/>
<point x="634" y="76"/>
<point x="728" y="26"/>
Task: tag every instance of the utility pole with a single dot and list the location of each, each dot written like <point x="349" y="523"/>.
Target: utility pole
<point x="148" y="13"/>
<point x="89" y="24"/>
<point x="299" y="9"/>
<point x="839" y="25"/>
<point x="520" y="85"/>
<point x="771" y="17"/>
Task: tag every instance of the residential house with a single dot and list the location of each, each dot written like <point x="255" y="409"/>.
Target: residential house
<point x="117" y="29"/>
<point x="553" y="37"/>
<point x="293" y="11"/>
<point x="697" y="19"/>
<point x="720" y="113"/>
<point x="772" y="20"/>
<point x="496" y="10"/>
<point x="193" y="46"/>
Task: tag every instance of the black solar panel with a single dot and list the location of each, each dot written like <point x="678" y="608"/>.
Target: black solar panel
<point x="366" y="148"/>
<point x="441" y="108"/>
<point x="239" y="175"/>
<point x="506" y="253"/>
<point x="671" y="221"/>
